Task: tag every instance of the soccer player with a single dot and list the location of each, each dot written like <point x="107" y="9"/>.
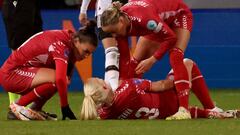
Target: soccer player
<point x="143" y="99"/>
<point x="22" y="19"/>
<point x="42" y="66"/>
<point x="109" y="42"/>
<point x="163" y="26"/>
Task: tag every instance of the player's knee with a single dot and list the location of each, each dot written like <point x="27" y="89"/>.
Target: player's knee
<point x="188" y="62"/>
<point x="176" y="57"/>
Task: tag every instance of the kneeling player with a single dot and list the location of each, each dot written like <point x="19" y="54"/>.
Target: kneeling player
<point x="42" y="66"/>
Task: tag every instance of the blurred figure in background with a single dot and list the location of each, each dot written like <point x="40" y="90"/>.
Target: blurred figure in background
<point x="22" y="19"/>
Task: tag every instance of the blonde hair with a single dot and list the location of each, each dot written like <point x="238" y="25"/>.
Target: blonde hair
<point x="94" y="96"/>
<point x="111" y="15"/>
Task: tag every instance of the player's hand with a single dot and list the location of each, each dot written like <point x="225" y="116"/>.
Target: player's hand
<point x="145" y="65"/>
<point x="83" y="19"/>
<point x="67" y="113"/>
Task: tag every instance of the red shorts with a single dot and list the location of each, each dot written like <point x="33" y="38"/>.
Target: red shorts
<point x="168" y="103"/>
<point x="19" y="80"/>
<point x="184" y="20"/>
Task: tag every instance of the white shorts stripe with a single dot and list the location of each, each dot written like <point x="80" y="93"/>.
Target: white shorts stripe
<point x="24" y="73"/>
<point x="195" y="78"/>
<point x="181" y="81"/>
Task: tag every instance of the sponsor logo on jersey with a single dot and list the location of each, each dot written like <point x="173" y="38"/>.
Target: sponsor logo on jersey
<point x="125" y="114"/>
<point x="151" y="25"/>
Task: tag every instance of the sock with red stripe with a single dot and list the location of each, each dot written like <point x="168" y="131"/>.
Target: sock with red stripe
<point x="39" y="95"/>
<point x="200" y="89"/>
<point x="181" y="78"/>
<point x="38" y="104"/>
<point x="198" y="113"/>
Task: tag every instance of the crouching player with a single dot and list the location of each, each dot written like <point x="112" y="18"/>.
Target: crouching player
<point x="143" y="99"/>
<point x="42" y="66"/>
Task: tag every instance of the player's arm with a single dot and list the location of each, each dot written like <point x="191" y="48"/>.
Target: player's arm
<point x="161" y="33"/>
<point x="83" y="12"/>
<point x="161" y="85"/>
<point x="168" y="39"/>
<point x="59" y="51"/>
<point x="61" y="83"/>
<point x="157" y="86"/>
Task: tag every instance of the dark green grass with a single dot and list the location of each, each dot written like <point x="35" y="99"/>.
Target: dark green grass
<point x="227" y="99"/>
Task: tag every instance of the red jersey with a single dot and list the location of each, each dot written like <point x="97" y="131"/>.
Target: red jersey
<point x="154" y="19"/>
<point x="153" y="16"/>
<point x="41" y="50"/>
<point x="132" y="101"/>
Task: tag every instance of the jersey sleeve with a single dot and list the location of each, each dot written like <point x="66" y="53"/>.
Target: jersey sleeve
<point x="59" y="51"/>
<point x="61" y="81"/>
<point x="84" y="6"/>
<point x="159" y="32"/>
<point x="142" y="85"/>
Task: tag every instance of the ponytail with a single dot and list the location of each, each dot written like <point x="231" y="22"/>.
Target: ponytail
<point x="111" y="15"/>
<point x="89" y="111"/>
<point x="87" y="33"/>
<point x="94" y="97"/>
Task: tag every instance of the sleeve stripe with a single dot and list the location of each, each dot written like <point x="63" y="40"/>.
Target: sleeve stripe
<point x="55" y="58"/>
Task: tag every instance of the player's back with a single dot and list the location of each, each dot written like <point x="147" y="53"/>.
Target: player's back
<point x="37" y="45"/>
<point x="133" y="102"/>
<point x="160" y="5"/>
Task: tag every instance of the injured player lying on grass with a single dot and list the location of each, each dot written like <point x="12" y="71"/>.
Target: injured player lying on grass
<point x="143" y="99"/>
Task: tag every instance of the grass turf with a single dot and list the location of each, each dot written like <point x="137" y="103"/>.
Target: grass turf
<point x="227" y="99"/>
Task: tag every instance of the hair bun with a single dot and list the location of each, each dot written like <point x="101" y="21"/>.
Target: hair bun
<point x="89" y="27"/>
<point x="117" y="5"/>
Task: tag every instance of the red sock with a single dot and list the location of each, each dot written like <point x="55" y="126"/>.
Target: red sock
<point x="200" y="89"/>
<point x="39" y="103"/>
<point x="124" y="58"/>
<point x="41" y="92"/>
<point x="198" y="113"/>
<point x="181" y="79"/>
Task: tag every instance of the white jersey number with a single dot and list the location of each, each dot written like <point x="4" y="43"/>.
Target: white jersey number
<point x="152" y="113"/>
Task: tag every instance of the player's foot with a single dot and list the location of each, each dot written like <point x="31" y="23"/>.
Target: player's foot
<point x="234" y="113"/>
<point x="48" y="116"/>
<point x="11" y="115"/>
<point x="182" y="114"/>
<point x="216" y="109"/>
<point x="23" y="113"/>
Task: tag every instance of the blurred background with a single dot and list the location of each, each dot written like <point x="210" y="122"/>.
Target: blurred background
<point x="214" y="44"/>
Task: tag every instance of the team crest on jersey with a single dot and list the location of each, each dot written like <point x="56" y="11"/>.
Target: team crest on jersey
<point x="66" y="53"/>
<point x="137" y="81"/>
<point x="151" y="25"/>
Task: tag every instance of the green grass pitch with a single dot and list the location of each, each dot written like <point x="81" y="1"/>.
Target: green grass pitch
<point x="227" y="99"/>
